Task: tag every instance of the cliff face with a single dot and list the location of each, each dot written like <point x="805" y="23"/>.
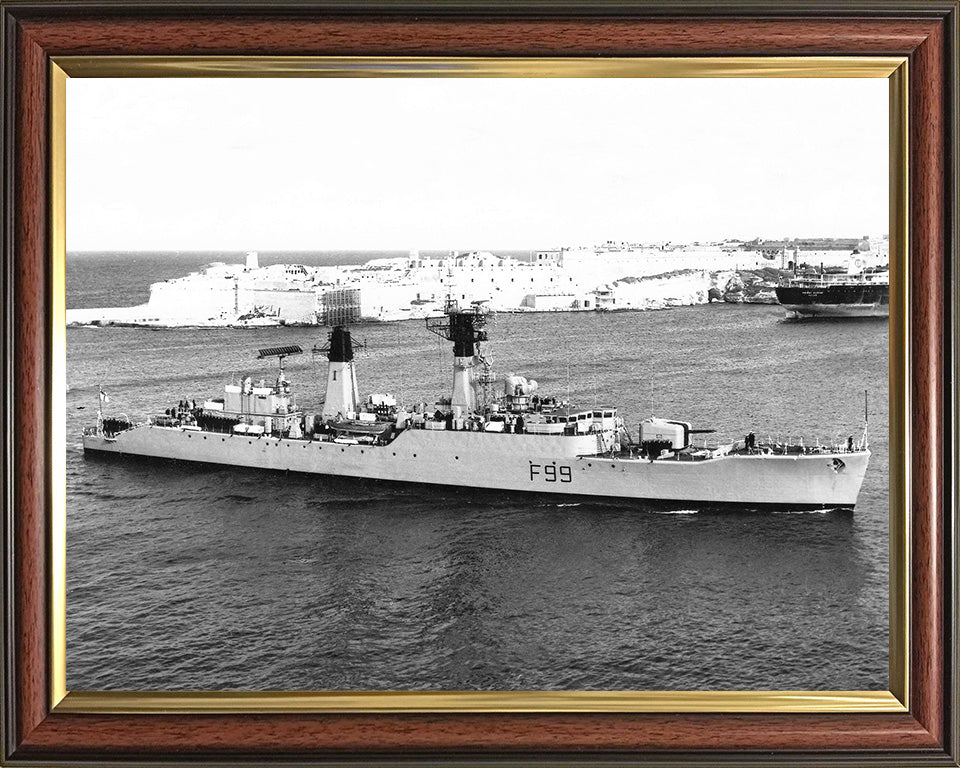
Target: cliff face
<point x="750" y="286"/>
<point x="687" y="287"/>
<point x="672" y="289"/>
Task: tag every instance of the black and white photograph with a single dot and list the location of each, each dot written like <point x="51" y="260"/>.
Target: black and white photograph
<point x="477" y="384"/>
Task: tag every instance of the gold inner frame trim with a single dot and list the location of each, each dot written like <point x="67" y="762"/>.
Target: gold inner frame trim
<point x="58" y="385"/>
<point x="434" y="66"/>
<point x="128" y="702"/>
<point x="899" y="388"/>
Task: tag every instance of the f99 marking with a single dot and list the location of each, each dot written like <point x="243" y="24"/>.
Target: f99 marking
<point x="551" y="473"/>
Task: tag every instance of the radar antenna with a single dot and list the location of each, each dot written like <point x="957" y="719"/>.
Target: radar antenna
<point x="280" y="353"/>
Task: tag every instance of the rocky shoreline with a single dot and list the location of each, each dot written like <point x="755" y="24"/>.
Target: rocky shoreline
<point x="752" y="286"/>
<point x="690" y="287"/>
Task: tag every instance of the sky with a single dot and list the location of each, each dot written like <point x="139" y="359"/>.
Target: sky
<point x="494" y="164"/>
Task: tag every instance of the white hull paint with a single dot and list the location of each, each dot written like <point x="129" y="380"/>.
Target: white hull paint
<point x="539" y="463"/>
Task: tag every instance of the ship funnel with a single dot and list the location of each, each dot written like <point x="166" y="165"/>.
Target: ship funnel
<point x="856" y="264"/>
<point x="253" y="260"/>
<point x="341" y="395"/>
<point x="464" y="327"/>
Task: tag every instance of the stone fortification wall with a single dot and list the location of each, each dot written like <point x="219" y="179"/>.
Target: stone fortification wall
<point x="391" y="301"/>
<point x="195" y="298"/>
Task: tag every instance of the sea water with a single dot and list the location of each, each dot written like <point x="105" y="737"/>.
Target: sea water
<point x="197" y="577"/>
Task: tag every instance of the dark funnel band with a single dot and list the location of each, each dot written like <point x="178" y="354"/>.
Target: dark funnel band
<point x="341" y="348"/>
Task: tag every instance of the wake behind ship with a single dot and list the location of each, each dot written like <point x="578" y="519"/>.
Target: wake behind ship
<point x="489" y="433"/>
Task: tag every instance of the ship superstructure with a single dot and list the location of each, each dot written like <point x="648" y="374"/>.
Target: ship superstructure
<point x="488" y="432"/>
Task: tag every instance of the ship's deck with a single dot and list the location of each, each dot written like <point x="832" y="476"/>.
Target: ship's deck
<point x="775" y="449"/>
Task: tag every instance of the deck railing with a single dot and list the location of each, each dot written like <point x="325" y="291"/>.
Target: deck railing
<point x="830" y="279"/>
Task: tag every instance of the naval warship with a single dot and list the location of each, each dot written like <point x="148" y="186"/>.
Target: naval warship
<point x="488" y="433"/>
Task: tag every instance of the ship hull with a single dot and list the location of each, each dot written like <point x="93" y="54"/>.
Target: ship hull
<point x="529" y="463"/>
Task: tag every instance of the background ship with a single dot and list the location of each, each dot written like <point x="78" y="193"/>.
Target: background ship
<point x="857" y="291"/>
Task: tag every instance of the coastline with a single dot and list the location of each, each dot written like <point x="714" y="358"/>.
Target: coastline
<point x="391" y="288"/>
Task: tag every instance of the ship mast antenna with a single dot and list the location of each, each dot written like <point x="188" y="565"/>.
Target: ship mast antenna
<point x="594" y="371"/>
<point x="866" y="419"/>
<point x="101" y="397"/>
<point x="400" y="395"/>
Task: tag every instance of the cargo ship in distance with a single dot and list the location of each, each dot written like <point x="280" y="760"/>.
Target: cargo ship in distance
<point x="488" y="433"/>
<point x="858" y="291"/>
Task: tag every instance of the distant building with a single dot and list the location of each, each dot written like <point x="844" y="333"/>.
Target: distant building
<point x="554" y="256"/>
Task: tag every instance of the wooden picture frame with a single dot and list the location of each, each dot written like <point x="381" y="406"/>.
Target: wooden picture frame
<point x="39" y="728"/>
